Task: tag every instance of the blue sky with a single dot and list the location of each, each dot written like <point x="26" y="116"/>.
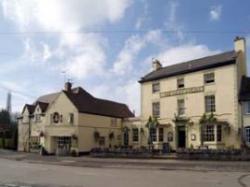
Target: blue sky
<point x="106" y="46"/>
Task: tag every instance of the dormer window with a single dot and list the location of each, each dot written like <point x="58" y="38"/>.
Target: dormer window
<point x="180" y="83"/>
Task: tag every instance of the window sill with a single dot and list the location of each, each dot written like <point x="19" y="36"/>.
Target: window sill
<point x="209" y="84"/>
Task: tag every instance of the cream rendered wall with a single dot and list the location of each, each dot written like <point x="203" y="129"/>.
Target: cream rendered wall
<point x="225" y="91"/>
<point x="64" y="107"/>
<point x="89" y="123"/>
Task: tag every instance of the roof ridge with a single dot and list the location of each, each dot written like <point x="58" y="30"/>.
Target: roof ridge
<point x="202" y="58"/>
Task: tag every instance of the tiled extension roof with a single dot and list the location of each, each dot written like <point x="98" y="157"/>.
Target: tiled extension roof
<point x="245" y="89"/>
<point x="86" y="103"/>
<point x="192" y="66"/>
<point x="30" y="108"/>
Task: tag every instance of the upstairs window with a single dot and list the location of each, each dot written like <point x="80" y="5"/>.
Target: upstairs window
<point x="208" y="78"/>
<point x="135" y="132"/>
<point x="181" y="106"/>
<point x="210" y="103"/>
<point x="155" y="87"/>
<point x="71" y="118"/>
<point x="156" y="109"/>
<point x="247" y="107"/>
<point x="180" y="83"/>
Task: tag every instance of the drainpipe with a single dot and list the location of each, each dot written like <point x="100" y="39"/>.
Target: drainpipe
<point x="242" y="126"/>
<point x="29" y="133"/>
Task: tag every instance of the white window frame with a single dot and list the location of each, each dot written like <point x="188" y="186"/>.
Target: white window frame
<point x="154" y="86"/>
<point x="247" y="134"/>
<point x="156" y="112"/>
<point x="160" y="134"/>
<point x="180" y="83"/>
<point x="211" y="106"/>
<point x="181" y="109"/>
<point x="135" y="134"/>
<point x="209" y="78"/>
<point x="247" y="107"/>
<point x="209" y="133"/>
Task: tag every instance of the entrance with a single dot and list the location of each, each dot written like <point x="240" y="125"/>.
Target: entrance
<point x="181" y="137"/>
<point x="63" y="145"/>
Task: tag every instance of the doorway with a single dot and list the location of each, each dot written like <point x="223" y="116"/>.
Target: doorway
<point x="63" y="145"/>
<point x="126" y="138"/>
<point x="181" y="137"/>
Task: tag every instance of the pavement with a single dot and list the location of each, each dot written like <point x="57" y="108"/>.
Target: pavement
<point x="32" y="170"/>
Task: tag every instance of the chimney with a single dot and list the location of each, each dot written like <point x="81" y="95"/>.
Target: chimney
<point x="240" y="48"/>
<point x="156" y="65"/>
<point x="68" y="86"/>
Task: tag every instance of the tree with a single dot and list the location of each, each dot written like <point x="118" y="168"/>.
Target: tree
<point x="5" y="117"/>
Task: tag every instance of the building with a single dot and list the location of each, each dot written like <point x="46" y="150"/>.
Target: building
<point x="202" y="103"/>
<point x="71" y="120"/>
<point x="195" y="104"/>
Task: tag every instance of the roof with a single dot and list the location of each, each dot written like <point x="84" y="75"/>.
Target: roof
<point x="245" y="89"/>
<point x="86" y="103"/>
<point x="213" y="61"/>
<point x="43" y="105"/>
<point x="48" y="98"/>
<point x="30" y="108"/>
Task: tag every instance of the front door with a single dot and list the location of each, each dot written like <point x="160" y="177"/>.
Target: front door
<point x="63" y="145"/>
<point x="125" y="138"/>
<point x="181" y="137"/>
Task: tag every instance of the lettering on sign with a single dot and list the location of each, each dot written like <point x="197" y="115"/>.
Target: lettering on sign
<point x="182" y="91"/>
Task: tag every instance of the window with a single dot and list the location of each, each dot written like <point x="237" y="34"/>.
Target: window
<point x="156" y="109"/>
<point x="181" y="106"/>
<point x="180" y="83"/>
<point x="71" y="118"/>
<point x="219" y="133"/>
<point x="153" y="134"/>
<point x="208" y="78"/>
<point x="247" y="131"/>
<point x="135" y="132"/>
<point x="247" y="107"/>
<point x="37" y="118"/>
<point x="102" y="141"/>
<point x="155" y="87"/>
<point x="209" y="133"/>
<point x="161" y="134"/>
<point x="210" y="103"/>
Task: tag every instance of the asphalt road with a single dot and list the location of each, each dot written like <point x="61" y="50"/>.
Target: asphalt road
<point x="20" y="173"/>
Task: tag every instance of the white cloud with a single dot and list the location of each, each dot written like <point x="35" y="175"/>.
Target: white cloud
<point x="215" y="12"/>
<point x="171" y="22"/>
<point x="63" y="15"/>
<point x="144" y="17"/>
<point x="132" y="47"/>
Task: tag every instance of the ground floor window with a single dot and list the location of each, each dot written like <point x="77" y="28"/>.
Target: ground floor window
<point x="247" y="131"/>
<point x="34" y="142"/>
<point x="153" y="134"/>
<point x="135" y="136"/>
<point x="161" y="134"/>
<point x="219" y="133"/>
<point x="208" y="134"/>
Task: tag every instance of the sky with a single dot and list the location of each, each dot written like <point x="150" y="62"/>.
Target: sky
<point x="106" y="46"/>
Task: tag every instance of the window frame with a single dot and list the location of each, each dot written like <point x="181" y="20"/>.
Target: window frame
<point x="180" y="83"/>
<point x="153" y="134"/>
<point x="160" y="134"/>
<point x="157" y="85"/>
<point x="247" y="134"/>
<point x="247" y="107"/>
<point x="182" y="109"/>
<point x="209" y="133"/>
<point x="211" y="106"/>
<point x="135" y="135"/>
<point x="156" y="112"/>
<point x="207" y="79"/>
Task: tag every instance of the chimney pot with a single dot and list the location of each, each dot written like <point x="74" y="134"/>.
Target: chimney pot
<point x="68" y="86"/>
<point x="156" y="64"/>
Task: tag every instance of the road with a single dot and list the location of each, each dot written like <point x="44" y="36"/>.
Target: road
<point x="21" y="173"/>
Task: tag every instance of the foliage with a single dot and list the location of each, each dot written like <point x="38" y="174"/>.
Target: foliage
<point x="180" y="119"/>
<point x="5" y="117"/>
<point x="152" y="122"/>
<point x="210" y="118"/>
